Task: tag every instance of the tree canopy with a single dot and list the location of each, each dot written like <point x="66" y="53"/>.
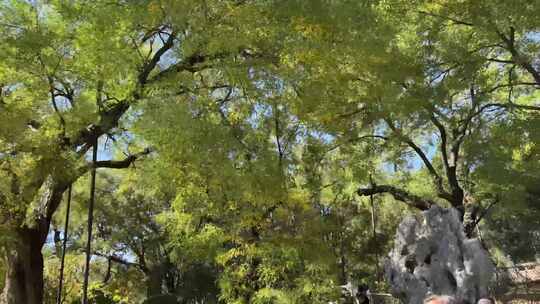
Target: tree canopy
<point x="258" y="151"/>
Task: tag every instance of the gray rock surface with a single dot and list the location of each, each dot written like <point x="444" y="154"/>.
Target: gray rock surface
<point x="431" y="255"/>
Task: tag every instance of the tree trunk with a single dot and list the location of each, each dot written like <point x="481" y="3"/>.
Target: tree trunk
<point x="24" y="269"/>
<point x="154" y="286"/>
<point x="154" y="283"/>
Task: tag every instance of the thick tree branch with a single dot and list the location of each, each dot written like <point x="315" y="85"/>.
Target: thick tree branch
<point x="511" y="106"/>
<point x="277" y="130"/>
<point x="50" y="81"/>
<point x="236" y="132"/>
<point x="415" y="147"/>
<point x="145" y="71"/>
<point x="436" y="177"/>
<point x="55" y="106"/>
<point x="508" y="85"/>
<point x="107" y="276"/>
<point x="51" y="199"/>
<point x="193" y="63"/>
<point x="121" y="164"/>
<point x="474" y="214"/>
<point x="444" y="145"/>
<point x="355" y="139"/>
<point x="398" y="194"/>
<point x="454" y="20"/>
<point x="517" y="57"/>
<point x="506" y="106"/>
<point x="450" y="166"/>
<point x="459" y="135"/>
<point x="109" y="117"/>
<point x="116" y="259"/>
<point x="499" y="60"/>
<point x="486" y="210"/>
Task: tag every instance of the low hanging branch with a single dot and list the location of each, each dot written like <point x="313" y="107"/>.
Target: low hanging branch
<point x="399" y="194"/>
<point x="117" y="259"/>
<point x="124" y="163"/>
<point x="113" y="258"/>
<point x="114" y="164"/>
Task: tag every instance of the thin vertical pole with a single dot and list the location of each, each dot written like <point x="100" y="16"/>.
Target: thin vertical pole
<point x="373" y="217"/>
<point x="374" y="227"/>
<point x="63" y="258"/>
<point x="90" y="222"/>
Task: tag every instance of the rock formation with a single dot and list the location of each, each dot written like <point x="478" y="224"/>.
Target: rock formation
<point x="432" y="255"/>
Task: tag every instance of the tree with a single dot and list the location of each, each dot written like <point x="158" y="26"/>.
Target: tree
<point x="259" y="194"/>
<point x="70" y="72"/>
<point x="131" y="235"/>
<point x="447" y="77"/>
<point x="436" y="97"/>
<point x="269" y="118"/>
<point x="235" y="207"/>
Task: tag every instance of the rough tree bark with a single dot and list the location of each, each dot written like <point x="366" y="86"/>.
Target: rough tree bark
<point x="24" y="268"/>
<point x="155" y="277"/>
<point x="433" y="255"/>
<point x="154" y="281"/>
<point x="24" y="261"/>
